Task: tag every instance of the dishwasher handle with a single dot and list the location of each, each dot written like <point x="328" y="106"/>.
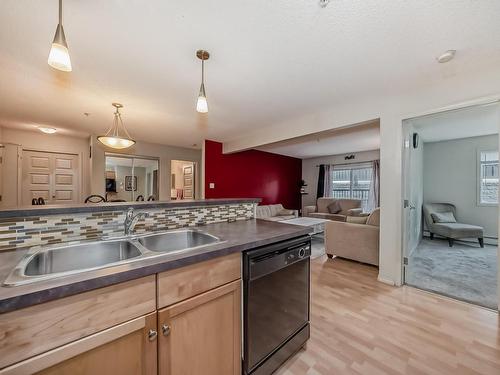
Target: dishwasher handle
<point x="278" y="259"/>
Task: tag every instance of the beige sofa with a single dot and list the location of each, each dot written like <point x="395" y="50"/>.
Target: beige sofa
<point x="356" y="239"/>
<point x="275" y="212"/>
<point x="349" y="207"/>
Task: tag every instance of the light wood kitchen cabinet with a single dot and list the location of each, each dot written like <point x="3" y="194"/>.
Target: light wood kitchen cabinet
<point x="202" y="335"/>
<point x="37" y="329"/>
<point x="129" y="348"/>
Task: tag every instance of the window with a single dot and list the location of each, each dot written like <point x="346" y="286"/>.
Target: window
<point x="488" y="177"/>
<point x="352" y="182"/>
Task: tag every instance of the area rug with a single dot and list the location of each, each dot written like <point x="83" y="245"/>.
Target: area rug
<point x="464" y="271"/>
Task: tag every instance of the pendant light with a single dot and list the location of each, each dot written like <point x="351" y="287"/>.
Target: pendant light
<point x="59" y="55"/>
<point x="117" y="136"/>
<point x="202" y="104"/>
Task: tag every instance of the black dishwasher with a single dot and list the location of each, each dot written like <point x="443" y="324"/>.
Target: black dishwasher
<point x="276" y="294"/>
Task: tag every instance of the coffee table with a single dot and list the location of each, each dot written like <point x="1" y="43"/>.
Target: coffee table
<point x="318" y="225"/>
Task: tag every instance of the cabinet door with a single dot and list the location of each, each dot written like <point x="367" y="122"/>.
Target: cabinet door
<point x="127" y="349"/>
<point x="202" y="335"/>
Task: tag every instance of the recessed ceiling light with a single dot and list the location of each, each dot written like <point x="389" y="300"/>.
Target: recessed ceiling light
<point x="447" y="56"/>
<point x="323" y="3"/>
<point x="47" y="130"/>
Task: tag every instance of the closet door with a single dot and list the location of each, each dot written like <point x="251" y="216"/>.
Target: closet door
<point x="51" y="176"/>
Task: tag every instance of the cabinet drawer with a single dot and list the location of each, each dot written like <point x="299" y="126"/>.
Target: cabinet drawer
<point x="36" y="329"/>
<point x="185" y="282"/>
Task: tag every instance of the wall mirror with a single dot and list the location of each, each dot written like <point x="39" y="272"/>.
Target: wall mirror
<point x="131" y="178"/>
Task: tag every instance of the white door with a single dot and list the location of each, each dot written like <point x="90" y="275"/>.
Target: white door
<point x="53" y="177"/>
<point x="412" y="192"/>
<point x="188" y="176"/>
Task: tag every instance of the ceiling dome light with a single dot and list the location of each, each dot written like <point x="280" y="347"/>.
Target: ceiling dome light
<point x="59" y="55"/>
<point x="47" y="130"/>
<point x="447" y="56"/>
<point x="202" y="104"/>
<point x="115" y="138"/>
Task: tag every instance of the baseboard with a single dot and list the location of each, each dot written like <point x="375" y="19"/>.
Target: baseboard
<point x="387" y="281"/>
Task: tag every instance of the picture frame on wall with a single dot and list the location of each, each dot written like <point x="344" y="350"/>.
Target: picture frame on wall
<point x="129" y="185"/>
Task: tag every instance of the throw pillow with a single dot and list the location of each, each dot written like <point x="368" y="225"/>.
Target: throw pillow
<point x="443" y="217"/>
<point x="357" y="219"/>
<point x="334" y="207"/>
<point x="285" y="212"/>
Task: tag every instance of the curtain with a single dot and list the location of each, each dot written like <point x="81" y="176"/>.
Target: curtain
<point x="374" y="193"/>
<point x="327" y="190"/>
<point x="320" y="193"/>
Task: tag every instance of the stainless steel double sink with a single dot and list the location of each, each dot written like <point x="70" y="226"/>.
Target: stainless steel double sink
<point x="42" y="263"/>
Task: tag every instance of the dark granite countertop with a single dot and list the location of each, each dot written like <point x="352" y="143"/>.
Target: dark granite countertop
<point x="237" y="237"/>
<point x="117" y="206"/>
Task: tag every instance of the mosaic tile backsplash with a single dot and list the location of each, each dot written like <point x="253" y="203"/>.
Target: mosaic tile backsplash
<point x="51" y="229"/>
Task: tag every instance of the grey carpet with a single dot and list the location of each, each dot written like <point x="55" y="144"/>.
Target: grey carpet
<point x="317" y="246"/>
<point x="464" y="271"/>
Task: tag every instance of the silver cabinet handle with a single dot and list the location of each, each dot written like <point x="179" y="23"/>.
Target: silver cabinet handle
<point x="152" y="334"/>
<point x="165" y="329"/>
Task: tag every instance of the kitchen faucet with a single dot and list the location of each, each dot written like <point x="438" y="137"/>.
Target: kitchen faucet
<point x="131" y="219"/>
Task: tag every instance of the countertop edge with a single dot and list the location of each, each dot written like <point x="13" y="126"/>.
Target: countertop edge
<point x="117" y="206"/>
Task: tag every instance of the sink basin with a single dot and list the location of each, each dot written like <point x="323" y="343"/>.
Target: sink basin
<point x="84" y="256"/>
<point x="176" y="241"/>
<point x="52" y="262"/>
<point x="43" y="263"/>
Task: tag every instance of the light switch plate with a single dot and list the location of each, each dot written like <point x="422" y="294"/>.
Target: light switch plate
<point x="211" y="185"/>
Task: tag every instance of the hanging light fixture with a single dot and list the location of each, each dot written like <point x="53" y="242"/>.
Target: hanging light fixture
<point x="59" y="55"/>
<point x="202" y="104"/>
<point x="117" y="136"/>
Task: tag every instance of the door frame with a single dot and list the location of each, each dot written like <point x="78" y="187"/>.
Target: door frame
<point x="20" y="155"/>
<point x="405" y="175"/>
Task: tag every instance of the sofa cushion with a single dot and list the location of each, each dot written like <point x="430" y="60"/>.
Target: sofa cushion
<point x="458" y="230"/>
<point x="323" y="203"/>
<point x="275" y="209"/>
<point x="334" y="207"/>
<point x="327" y="216"/>
<point x="374" y="218"/>
<point x="357" y="219"/>
<point x="262" y="212"/>
<point x="443" y="217"/>
<point x="285" y="212"/>
<point x="347" y="204"/>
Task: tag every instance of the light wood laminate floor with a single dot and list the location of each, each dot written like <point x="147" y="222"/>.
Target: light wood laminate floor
<point x="361" y="326"/>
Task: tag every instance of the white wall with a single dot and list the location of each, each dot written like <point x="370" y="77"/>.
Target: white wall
<point x="451" y="176"/>
<point x="310" y="171"/>
<point x="453" y="90"/>
<point x="163" y="152"/>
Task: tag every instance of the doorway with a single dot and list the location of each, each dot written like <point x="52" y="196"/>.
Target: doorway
<point x="450" y="208"/>
<point x="51" y="177"/>
<point x="131" y="178"/>
<point x="183" y="180"/>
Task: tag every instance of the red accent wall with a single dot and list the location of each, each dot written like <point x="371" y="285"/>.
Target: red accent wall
<point x="252" y="174"/>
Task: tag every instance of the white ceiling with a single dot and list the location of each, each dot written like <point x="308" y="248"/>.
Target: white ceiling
<point x="271" y="60"/>
<point x="357" y="138"/>
<point x="464" y="123"/>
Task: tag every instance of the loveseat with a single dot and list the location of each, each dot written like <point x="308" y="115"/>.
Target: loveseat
<point x="356" y="239"/>
<point x="275" y="212"/>
<point x="334" y="209"/>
